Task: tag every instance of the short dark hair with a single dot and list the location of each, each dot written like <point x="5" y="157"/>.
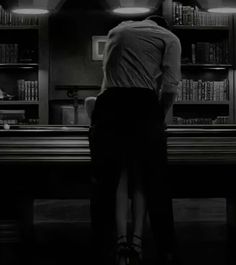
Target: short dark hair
<point x="161" y="21"/>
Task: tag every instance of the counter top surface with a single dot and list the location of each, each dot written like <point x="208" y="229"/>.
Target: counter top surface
<point x="83" y="130"/>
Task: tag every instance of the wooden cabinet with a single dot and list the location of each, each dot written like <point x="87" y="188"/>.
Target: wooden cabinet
<point x="205" y="93"/>
<point x="23" y="69"/>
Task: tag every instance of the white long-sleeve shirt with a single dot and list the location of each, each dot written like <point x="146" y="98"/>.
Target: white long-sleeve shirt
<point x="142" y="54"/>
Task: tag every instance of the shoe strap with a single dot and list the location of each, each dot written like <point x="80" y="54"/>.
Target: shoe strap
<point x="135" y="245"/>
<point x="121" y="236"/>
<point x="138" y="237"/>
<point x="120" y="243"/>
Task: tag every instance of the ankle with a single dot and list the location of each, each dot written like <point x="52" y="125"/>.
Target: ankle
<point x="121" y="239"/>
<point x="137" y="239"/>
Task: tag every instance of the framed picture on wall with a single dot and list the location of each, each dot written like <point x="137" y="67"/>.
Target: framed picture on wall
<point x="98" y="45"/>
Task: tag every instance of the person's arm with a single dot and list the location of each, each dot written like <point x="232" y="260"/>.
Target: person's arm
<point x="166" y="101"/>
<point x="171" y="75"/>
<point x="89" y="105"/>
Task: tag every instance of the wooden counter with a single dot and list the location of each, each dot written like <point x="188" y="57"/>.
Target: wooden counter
<point x="38" y="158"/>
<point x="186" y="144"/>
<point x="54" y="162"/>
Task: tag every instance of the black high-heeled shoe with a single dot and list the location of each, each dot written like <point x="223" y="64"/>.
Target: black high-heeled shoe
<point x="122" y="252"/>
<point x="136" y="252"/>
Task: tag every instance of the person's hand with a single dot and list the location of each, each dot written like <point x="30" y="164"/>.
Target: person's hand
<point x="89" y="103"/>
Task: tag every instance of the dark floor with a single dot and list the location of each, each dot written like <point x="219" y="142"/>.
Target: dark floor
<point x="69" y="244"/>
<point x="59" y="241"/>
<point x="199" y="244"/>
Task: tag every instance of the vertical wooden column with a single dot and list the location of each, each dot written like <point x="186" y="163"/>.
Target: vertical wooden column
<point x="43" y="70"/>
<point x="231" y="212"/>
<point x="16" y="214"/>
<point x="9" y="236"/>
<point x="25" y="221"/>
<point x="231" y="96"/>
<point x="167" y="10"/>
<point x="233" y="40"/>
<point x="231" y="229"/>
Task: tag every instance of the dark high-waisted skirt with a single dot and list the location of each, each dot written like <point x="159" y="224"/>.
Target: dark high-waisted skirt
<point x="127" y="129"/>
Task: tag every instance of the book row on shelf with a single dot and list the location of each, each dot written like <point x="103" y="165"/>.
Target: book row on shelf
<point x="192" y="121"/>
<point x="193" y="16"/>
<point x="17" y="122"/>
<point x="27" y="90"/>
<point x="7" y="18"/>
<point x="210" y="52"/>
<point x="16" y="117"/>
<point x="8" y="52"/>
<point x="199" y="90"/>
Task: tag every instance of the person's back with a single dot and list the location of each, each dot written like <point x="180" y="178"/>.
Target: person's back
<point x="134" y="55"/>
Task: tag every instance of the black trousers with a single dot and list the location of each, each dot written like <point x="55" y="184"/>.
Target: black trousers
<point x="127" y="126"/>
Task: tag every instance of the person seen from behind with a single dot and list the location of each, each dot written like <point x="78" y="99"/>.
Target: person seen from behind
<point x="141" y="72"/>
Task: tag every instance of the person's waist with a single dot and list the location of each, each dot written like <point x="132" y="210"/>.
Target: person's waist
<point x="127" y="87"/>
<point x="129" y="90"/>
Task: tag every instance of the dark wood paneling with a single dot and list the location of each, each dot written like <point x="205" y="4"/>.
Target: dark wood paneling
<point x="54" y="162"/>
<point x="202" y="157"/>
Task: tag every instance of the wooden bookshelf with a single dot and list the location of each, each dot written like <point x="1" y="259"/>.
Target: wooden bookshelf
<point x="30" y="57"/>
<point x="18" y="65"/>
<point x="207" y="55"/>
<point x="20" y="27"/>
<point x="18" y="102"/>
<point x="205" y="65"/>
<point x="190" y="27"/>
<point x="207" y="102"/>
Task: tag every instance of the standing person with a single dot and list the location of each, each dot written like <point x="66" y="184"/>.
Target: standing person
<point x="127" y="139"/>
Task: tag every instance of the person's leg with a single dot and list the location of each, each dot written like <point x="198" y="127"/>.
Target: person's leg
<point x="122" y="206"/>
<point x="102" y="206"/>
<point x="106" y="172"/>
<point x="159" y="201"/>
<point x="162" y="224"/>
<point x="138" y="208"/>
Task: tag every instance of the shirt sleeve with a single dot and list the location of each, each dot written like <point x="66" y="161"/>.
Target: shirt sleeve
<point x="171" y="67"/>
